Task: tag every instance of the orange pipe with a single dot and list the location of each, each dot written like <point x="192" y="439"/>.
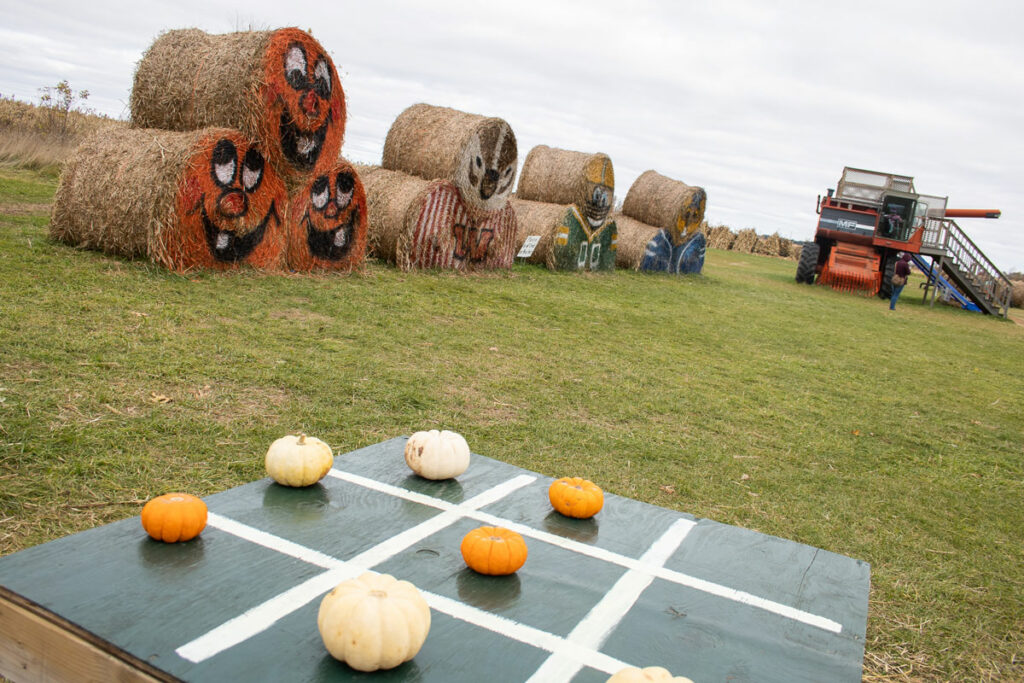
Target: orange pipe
<point x="973" y="213"/>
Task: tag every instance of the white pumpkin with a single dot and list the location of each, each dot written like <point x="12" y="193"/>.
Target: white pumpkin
<point x="373" y="622"/>
<point x="298" y="460"/>
<point x="437" y="454"/>
<point x="651" y="674"/>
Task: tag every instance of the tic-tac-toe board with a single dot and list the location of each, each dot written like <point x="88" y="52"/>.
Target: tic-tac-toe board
<point x="636" y="585"/>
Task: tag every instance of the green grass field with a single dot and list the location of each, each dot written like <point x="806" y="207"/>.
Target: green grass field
<point x="820" y="417"/>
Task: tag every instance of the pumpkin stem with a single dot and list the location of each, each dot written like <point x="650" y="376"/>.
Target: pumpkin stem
<point x="302" y="438"/>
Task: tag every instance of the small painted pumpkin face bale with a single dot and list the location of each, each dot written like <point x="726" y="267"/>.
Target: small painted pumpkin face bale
<point x="437" y="454"/>
<point x="691" y="215"/>
<point x="327" y="222"/>
<point x="373" y="622"/>
<point x="493" y="550"/>
<point x="229" y="203"/>
<point x="298" y="460"/>
<point x="650" y="674"/>
<point x="576" y="497"/>
<point x="174" y="517"/>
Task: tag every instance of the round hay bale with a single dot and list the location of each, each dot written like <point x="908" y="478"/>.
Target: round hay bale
<point x="647" y="248"/>
<point x="477" y="153"/>
<point x="745" y="241"/>
<point x="666" y="203"/>
<point x="565" y="243"/>
<point x="279" y="87"/>
<point x="327" y="222"/>
<point x="199" y="199"/>
<point x="416" y="223"/>
<point x="560" y="176"/>
<point x="634" y="236"/>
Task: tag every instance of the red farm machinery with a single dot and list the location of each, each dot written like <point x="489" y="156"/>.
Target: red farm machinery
<point x="870" y="218"/>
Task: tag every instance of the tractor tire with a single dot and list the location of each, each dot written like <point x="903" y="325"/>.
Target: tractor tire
<point x="808" y="263"/>
<point x="885" y="291"/>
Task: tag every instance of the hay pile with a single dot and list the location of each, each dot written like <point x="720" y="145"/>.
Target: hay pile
<point x="440" y="197"/>
<point x="566" y="197"/>
<point x="720" y="237"/>
<point x="794" y="251"/>
<point x="327" y="222"/>
<point x="477" y="153"/>
<point x="1017" y="296"/>
<point x="279" y="87"/>
<point x="199" y="199"/>
<point x="745" y="241"/>
<point x="770" y="245"/>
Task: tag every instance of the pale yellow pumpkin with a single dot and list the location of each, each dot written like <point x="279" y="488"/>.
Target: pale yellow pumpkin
<point x="651" y="674"/>
<point x="437" y="454"/>
<point x="374" y="622"/>
<point x="298" y="460"/>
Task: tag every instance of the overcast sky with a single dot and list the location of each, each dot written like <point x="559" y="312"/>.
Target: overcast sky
<point x="761" y="103"/>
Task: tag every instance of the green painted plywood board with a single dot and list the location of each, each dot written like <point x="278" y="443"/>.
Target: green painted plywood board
<point x="717" y="603"/>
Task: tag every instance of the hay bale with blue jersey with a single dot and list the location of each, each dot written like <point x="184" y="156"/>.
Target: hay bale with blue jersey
<point x="676" y="211"/>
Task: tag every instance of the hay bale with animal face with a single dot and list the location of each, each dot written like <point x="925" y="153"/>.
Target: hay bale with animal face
<point x="279" y="87"/>
<point x="199" y="199"/>
<point x="327" y="221"/>
<point x="465" y="221"/>
<point x="421" y="224"/>
<point x="583" y="184"/>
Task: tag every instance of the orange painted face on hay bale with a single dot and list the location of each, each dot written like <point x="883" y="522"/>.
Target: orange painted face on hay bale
<point x="305" y="105"/>
<point x="599" y="190"/>
<point x="327" y="225"/>
<point x="690" y="216"/>
<point x="487" y="169"/>
<point x="228" y="205"/>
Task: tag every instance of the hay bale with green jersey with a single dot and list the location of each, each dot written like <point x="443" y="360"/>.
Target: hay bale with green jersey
<point x="185" y="200"/>
<point x="279" y="87"/>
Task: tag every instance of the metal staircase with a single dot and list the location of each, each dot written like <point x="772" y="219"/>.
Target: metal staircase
<point x="964" y="266"/>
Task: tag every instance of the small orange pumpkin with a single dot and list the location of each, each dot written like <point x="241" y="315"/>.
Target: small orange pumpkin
<point x="493" y="550"/>
<point x="575" y="497"/>
<point x="174" y="517"/>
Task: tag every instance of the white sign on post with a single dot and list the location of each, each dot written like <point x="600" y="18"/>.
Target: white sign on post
<point x="528" y="246"/>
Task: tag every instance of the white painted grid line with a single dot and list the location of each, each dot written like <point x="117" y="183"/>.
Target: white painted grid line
<point x="263" y="616"/>
<point x="597" y="553"/>
<point x="591" y="632"/>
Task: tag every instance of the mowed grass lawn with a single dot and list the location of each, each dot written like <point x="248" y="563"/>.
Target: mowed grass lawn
<point x="738" y="395"/>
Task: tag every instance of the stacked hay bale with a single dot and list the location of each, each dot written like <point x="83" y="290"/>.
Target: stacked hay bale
<point x="745" y="241"/>
<point x="660" y="226"/>
<point x="200" y="199"/>
<point x="564" y="197"/>
<point x="278" y="95"/>
<point x="440" y="199"/>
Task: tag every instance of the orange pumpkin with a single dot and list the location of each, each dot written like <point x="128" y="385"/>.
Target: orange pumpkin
<point x="575" y="497"/>
<point x="304" y="105"/>
<point x="493" y="550"/>
<point x="174" y="517"/>
<point x="229" y="205"/>
<point x="327" y="222"/>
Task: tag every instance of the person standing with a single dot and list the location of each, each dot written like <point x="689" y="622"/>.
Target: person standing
<point x="899" y="279"/>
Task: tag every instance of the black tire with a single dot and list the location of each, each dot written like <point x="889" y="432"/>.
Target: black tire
<point x="885" y="291"/>
<point x="808" y="263"/>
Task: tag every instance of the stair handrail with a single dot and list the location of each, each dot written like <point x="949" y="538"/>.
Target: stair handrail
<point x="985" y="276"/>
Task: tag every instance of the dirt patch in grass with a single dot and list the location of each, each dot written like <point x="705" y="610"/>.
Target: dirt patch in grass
<point x="300" y="315"/>
<point x="24" y="208"/>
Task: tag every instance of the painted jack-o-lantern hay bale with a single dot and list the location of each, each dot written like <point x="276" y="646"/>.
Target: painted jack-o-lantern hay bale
<point x="581" y="236"/>
<point x="463" y="221"/>
<point x="418" y="223"/>
<point x="667" y="215"/>
<point x="327" y="221"/>
<point x="279" y="87"/>
<point x="199" y="199"/>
